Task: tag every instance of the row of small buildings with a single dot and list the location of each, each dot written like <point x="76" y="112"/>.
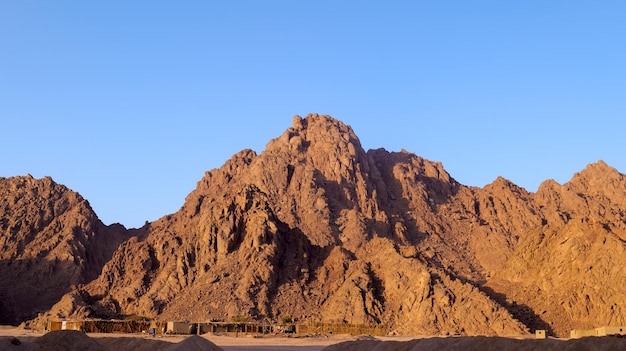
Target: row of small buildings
<point x="159" y="327"/>
<point x="177" y="327"/>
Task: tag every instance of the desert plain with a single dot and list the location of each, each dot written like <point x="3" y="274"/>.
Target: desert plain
<point x="18" y="339"/>
<point x="74" y="340"/>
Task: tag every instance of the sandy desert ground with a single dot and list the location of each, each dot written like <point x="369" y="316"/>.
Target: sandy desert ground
<point x="15" y="339"/>
<point x="31" y="340"/>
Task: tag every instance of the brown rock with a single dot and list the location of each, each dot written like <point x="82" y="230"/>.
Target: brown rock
<point x="316" y="228"/>
<point x="50" y="242"/>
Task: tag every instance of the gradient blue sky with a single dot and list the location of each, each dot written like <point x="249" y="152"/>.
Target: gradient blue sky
<point x="129" y="102"/>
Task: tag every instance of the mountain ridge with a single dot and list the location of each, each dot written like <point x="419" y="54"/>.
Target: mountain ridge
<point x="317" y="228"/>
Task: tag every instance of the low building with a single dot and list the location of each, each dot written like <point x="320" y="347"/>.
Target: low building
<point x="64" y="325"/>
<point x="181" y="328"/>
<point x="604" y="331"/>
<point x="581" y="333"/>
<point x="601" y="331"/>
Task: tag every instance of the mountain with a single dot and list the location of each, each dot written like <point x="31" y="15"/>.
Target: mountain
<point x="570" y="270"/>
<point x="317" y="228"/>
<point x="50" y="241"/>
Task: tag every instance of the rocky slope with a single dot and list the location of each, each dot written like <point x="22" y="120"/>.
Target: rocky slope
<point x="570" y="271"/>
<point x="317" y="228"/>
<point x="50" y="242"/>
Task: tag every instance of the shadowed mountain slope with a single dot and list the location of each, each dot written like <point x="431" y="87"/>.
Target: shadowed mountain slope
<point x="50" y="242"/>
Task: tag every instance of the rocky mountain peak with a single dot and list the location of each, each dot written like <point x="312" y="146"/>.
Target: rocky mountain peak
<point x="501" y="182"/>
<point x="597" y="191"/>
<point x="316" y="228"/>
<point x="316" y="135"/>
<point x="598" y="178"/>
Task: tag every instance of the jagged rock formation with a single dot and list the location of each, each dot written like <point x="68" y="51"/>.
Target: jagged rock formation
<point x="570" y="271"/>
<point x="317" y="228"/>
<point x="50" y="242"/>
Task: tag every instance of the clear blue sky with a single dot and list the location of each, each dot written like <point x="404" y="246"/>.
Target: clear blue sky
<point x="129" y="102"/>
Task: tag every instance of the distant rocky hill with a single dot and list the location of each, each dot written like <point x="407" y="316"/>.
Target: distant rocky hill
<point x="50" y="242"/>
<point x="317" y="228"/>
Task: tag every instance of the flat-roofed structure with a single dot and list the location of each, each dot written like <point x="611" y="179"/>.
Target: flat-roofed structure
<point x="601" y="331"/>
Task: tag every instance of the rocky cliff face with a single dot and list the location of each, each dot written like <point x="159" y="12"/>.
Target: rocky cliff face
<point x="317" y="228"/>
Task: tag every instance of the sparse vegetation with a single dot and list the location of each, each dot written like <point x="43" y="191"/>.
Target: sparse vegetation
<point x="240" y="319"/>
